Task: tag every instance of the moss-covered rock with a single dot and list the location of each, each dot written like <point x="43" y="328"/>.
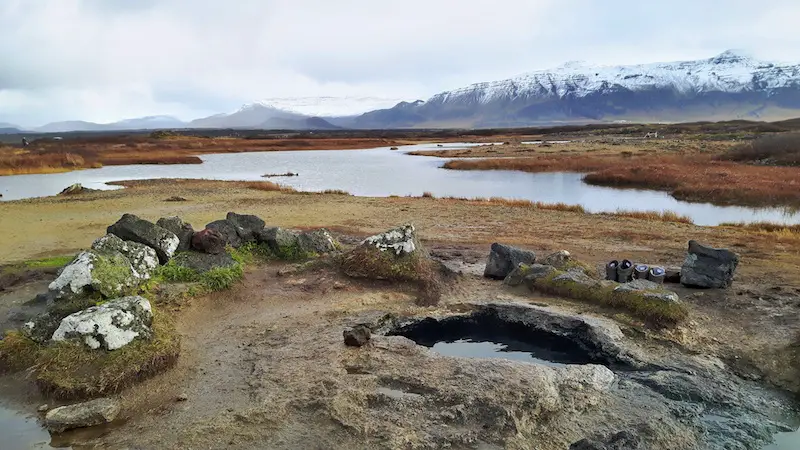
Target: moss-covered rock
<point x="650" y="302"/>
<point x="71" y="370"/>
<point x="143" y="259"/>
<point x="108" y="272"/>
<point x="110" y="326"/>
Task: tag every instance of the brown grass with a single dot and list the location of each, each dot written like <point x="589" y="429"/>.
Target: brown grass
<point x="267" y="186"/>
<point x="766" y="227"/>
<point x="336" y="192"/>
<point x="690" y="178"/>
<point x="775" y="149"/>
<point x="660" y="216"/>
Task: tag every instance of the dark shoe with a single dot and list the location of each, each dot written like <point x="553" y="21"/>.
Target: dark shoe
<point x="625" y="271"/>
<point x="640" y="271"/>
<point x="611" y="270"/>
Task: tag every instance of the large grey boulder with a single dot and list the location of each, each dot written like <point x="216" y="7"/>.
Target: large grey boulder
<point x="203" y="262"/>
<point x="228" y="230"/>
<point x="503" y="259"/>
<point x="110" y="326"/>
<point x="282" y="242"/>
<point x="317" y="242"/>
<point x="107" y="272"/>
<point x="707" y="267"/>
<point x="183" y="230"/>
<point x="81" y="415"/>
<point x="247" y="226"/>
<point x="648" y="290"/>
<point x="132" y="228"/>
<point x="142" y="258"/>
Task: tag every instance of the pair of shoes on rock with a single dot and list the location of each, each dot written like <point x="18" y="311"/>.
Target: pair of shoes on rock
<point x="625" y="271"/>
<point x="620" y="271"/>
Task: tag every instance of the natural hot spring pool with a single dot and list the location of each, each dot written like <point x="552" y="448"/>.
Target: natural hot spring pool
<point x="484" y="335"/>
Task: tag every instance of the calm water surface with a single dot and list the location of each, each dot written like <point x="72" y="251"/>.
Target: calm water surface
<point x="383" y="172"/>
<point x="18" y="431"/>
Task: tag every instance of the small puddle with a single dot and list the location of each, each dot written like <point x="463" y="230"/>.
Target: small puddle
<point x="517" y="351"/>
<point x="785" y="441"/>
<point x="20" y="431"/>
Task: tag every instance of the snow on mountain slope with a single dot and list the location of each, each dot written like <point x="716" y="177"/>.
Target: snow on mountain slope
<point x="727" y="72"/>
<point x="329" y="106"/>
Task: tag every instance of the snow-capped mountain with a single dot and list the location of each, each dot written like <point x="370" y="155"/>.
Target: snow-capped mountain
<point x="726" y="86"/>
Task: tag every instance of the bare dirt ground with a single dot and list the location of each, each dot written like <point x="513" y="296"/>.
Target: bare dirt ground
<point x="255" y="359"/>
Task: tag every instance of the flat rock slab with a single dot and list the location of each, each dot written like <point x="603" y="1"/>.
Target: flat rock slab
<point x="81" y="415"/>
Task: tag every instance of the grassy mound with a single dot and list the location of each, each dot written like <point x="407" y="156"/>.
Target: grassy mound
<point x="635" y="303"/>
<point x="17" y="352"/>
<point x="370" y="263"/>
<point x="70" y="370"/>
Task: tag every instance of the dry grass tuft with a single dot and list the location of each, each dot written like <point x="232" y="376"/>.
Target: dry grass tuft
<point x="766" y="227"/>
<point x="267" y="186"/>
<point x="17" y="352"/>
<point x="658" y="216"/>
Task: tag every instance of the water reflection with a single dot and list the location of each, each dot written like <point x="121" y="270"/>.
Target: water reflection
<point x="382" y="172"/>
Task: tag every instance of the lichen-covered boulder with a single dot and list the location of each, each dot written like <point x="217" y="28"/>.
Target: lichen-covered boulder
<point x="228" y="230"/>
<point x="183" y="230"/>
<point x="107" y="272"/>
<point x="209" y="241"/>
<point x="110" y="326"/>
<point x="503" y="259"/>
<point x="81" y="415"/>
<point x="142" y="258"/>
<point x="132" y="228"/>
<point x="203" y="262"/>
<point x="247" y="226"/>
<point x="283" y="243"/>
<point x="648" y="290"/>
<point x="394" y="254"/>
<point x="317" y="242"/>
<point x="708" y="267"/>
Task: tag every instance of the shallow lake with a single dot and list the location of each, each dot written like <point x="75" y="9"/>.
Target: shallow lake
<point x="382" y="172"/>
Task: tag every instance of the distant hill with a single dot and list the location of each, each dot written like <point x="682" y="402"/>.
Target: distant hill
<point x="310" y="123"/>
<point x="9" y="130"/>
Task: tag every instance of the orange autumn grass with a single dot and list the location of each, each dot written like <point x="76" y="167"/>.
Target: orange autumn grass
<point x="689" y="178"/>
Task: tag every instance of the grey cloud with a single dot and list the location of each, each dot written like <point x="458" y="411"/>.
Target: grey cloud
<point x="110" y="59"/>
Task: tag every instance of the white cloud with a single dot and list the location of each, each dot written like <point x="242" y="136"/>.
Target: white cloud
<point x="104" y="60"/>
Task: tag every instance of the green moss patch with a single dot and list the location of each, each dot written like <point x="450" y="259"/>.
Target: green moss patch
<point x="49" y="263"/>
<point x="635" y="303"/>
<point x="69" y="370"/>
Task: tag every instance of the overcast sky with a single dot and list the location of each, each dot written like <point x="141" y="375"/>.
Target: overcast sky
<point x="105" y="60"/>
